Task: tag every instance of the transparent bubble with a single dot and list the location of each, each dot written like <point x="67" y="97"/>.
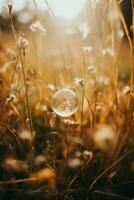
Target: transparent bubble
<point x="65" y="102"/>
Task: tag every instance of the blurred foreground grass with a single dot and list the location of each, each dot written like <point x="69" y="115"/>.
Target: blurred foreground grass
<point x="88" y="155"/>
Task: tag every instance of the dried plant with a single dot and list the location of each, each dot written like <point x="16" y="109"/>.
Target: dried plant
<point x="67" y="104"/>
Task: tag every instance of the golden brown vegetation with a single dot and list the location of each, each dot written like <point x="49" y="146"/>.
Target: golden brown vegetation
<point x="88" y="155"/>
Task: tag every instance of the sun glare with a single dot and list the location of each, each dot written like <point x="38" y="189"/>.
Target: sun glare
<point x="68" y="9"/>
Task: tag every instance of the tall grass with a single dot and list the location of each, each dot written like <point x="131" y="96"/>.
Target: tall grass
<point x="86" y="155"/>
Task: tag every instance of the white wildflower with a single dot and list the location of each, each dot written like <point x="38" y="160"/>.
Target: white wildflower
<point x="25" y="135"/>
<point x="78" y="81"/>
<point x="37" y="27"/>
<point x="91" y="68"/>
<point x="105" y="80"/>
<point x="126" y="90"/>
<point x="108" y="51"/>
<point x="120" y="33"/>
<point x="41" y="159"/>
<point x="87" y="49"/>
<point x="88" y="155"/>
<point x="51" y="86"/>
<point x="71" y="122"/>
<point x="105" y="137"/>
<point x="99" y="106"/>
<point x="41" y="107"/>
<point x="74" y="163"/>
<point x="22" y="42"/>
<point x="85" y="29"/>
<point x="11" y="98"/>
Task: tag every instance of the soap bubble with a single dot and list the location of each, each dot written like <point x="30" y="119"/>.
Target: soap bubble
<point x="64" y="102"/>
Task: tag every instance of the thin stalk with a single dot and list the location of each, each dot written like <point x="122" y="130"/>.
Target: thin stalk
<point x="115" y="78"/>
<point x="17" y="181"/>
<point x="17" y="139"/>
<point x="49" y="8"/>
<point x="103" y="194"/>
<point x="89" y="103"/>
<point x="23" y="70"/>
<point x="108" y="169"/>
<point x="26" y="91"/>
<point x="132" y="78"/>
<point x="13" y="74"/>
<point x="83" y="92"/>
<point x="129" y="40"/>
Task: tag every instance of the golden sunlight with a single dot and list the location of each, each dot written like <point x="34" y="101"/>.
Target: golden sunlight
<point x="67" y="99"/>
<point x="67" y="8"/>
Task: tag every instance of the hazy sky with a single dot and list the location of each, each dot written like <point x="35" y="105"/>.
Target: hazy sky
<point x="20" y="4"/>
<point x="66" y="8"/>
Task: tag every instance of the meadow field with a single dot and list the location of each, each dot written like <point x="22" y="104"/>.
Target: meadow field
<point x="67" y="100"/>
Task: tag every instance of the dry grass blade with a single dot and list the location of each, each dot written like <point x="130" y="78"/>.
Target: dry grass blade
<point x="107" y="169"/>
<point x="130" y="43"/>
<point x="66" y="99"/>
<point x="110" y="196"/>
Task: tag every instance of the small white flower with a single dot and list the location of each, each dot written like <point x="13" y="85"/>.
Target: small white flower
<point x="87" y="49"/>
<point x="51" y="86"/>
<point x="11" y="98"/>
<point x="74" y="163"/>
<point x="108" y="51"/>
<point x="41" y="159"/>
<point x="88" y="154"/>
<point x="104" y="80"/>
<point x="37" y="27"/>
<point x="120" y="33"/>
<point x="105" y="137"/>
<point x="99" y="106"/>
<point x="22" y="42"/>
<point x="71" y="122"/>
<point x="91" y="68"/>
<point x="126" y="90"/>
<point x="41" y="107"/>
<point x="78" y="82"/>
<point x="85" y="29"/>
<point x="25" y="135"/>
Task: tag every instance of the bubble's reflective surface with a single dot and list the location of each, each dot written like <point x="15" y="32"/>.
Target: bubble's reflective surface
<point x="65" y="102"/>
